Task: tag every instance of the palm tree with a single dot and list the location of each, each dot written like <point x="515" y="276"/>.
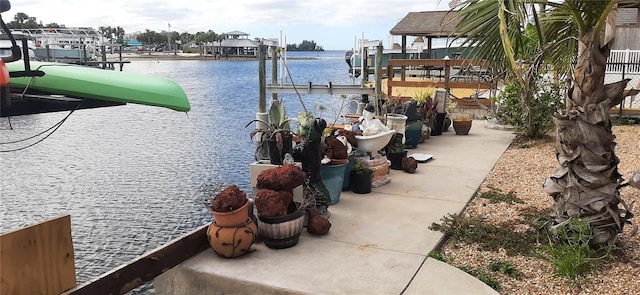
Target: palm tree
<point x="587" y="184"/>
<point x="21" y="18"/>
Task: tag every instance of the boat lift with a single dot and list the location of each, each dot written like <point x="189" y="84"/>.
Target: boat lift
<point x="310" y="88"/>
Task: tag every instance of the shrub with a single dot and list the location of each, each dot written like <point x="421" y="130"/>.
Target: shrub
<point x="570" y="250"/>
<point x="536" y="122"/>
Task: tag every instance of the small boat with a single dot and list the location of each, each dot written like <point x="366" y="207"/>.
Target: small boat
<point x="81" y="82"/>
<point x="31" y="87"/>
<point x="64" y="44"/>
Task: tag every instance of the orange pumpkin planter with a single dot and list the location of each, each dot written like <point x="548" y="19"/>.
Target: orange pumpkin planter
<point x="232" y="241"/>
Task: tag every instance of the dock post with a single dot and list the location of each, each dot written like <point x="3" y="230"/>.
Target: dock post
<point x="262" y="99"/>
<point x="120" y="58"/>
<point x="262" y="95"/>
<point x="104" y="56"/>
<point x="378" y="76"/>
<point x="274" y="70"/>
<point x="364" y="71"/>
<point x="48" y="52"/>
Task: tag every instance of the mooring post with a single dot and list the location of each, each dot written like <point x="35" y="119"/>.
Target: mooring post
<point x="378" y="76"/>
<point x="262" y="95"/>
<point x="274" y="70"/>
<point x="262" y="99"/>
<point x="364" y="71"/>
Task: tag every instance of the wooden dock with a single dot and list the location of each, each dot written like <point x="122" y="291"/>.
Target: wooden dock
<point x="311" y="88"/>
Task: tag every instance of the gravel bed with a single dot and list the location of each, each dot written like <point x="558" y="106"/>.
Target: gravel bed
<point x="522" y="170"/>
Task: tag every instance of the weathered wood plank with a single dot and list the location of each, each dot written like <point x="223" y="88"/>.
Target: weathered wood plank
<point x="435" y="62"/>
<point x="145" y="268"/>
<point x="436" y="84"/>
<point x="38" y="259"/>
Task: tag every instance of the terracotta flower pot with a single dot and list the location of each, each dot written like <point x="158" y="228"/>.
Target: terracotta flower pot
<point x="233" y="241"/>
<point x="234" y="218"/>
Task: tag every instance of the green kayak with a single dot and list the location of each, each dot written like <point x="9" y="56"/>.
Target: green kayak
<point x="87" y="82"/>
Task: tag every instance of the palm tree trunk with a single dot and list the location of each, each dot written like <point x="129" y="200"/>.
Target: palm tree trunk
<point x="587" y="183"/>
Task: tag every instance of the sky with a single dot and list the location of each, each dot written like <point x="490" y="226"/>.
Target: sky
<point x="332" y="24"/>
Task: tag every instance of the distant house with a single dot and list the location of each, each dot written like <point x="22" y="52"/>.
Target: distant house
<point x="238" y="44"/>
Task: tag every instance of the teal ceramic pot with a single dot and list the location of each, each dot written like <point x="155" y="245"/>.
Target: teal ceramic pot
<point x="413" y="134"/>
<point x="333" y="177"/>
<point x="346" y="183"/>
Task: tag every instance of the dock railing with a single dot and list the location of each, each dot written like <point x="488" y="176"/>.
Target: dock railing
<point x="474" y="75"/>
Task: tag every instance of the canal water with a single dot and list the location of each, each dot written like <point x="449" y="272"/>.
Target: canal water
<point x="131" y="176"/>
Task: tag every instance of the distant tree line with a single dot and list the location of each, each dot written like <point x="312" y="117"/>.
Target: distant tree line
<point x="149" y="38"/>
<point x="116" y="34"/>
<point x="306" y="45"/>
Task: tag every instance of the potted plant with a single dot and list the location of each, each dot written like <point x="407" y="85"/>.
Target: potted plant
<point x="462" y="123"/>
<point x="275" y="136"/>
<point x="230" y="207"/>
<point x="428" y="109"/>
<point x="361" y="177"/>
<point x="232" y="231"/>
<point x="280" y="219"/>
<point x="451" y="107"/>
<point x="334" y="163"/>
<point x="396" y="151"/>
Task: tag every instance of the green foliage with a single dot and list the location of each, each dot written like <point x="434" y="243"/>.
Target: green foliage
<point x="397" y="146"/>
<point x="436" y="255"/>
<point x="482" y="276"/>
<point x="568" y="247"/>
<point x="496" y="195"/>
<point x="361" y="169"/>
<point x="625" y="121"/>
<point x="422" y="96"/>
<point x="306" y="45"/>
<point x="276" y="128"/>
<point x="473" y="230"/>
<point x="504" y="267"/>
<point x="534" y="121"/>
<point x="570" y="250"/>
<point x="23" y="21"/>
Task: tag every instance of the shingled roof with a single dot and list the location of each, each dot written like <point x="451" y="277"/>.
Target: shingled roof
<point x="426" y="23"/>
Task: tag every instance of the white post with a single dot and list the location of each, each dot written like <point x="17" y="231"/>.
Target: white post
<point x="362" y="57"/>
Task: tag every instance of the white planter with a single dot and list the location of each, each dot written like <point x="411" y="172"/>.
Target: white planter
<point x="398" y="123"/>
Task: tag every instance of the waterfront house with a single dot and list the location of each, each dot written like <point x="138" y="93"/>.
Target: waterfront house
<point x="238" y="44"/>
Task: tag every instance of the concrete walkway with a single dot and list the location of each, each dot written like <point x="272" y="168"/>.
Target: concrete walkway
<point x="378" y="242"/>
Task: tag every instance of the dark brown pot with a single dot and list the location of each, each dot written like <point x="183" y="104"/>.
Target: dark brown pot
<point x="462" y="127"/>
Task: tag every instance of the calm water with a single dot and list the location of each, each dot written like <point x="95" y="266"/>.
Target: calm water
<point x="130" y="176"/>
